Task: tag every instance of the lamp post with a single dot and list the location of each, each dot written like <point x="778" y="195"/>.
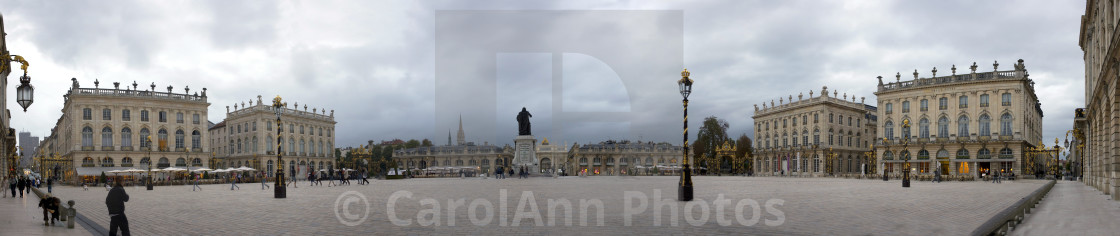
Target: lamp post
<point x="279" y="191"/>
<point x="148" y="139"/>
<point x="684" y="192"/>
<point x="906" y="156"/>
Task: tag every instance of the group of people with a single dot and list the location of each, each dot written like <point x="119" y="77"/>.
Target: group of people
<point x="343" y="178"/>
<point x="501" y="172"/>
<point x="22" y="185"/>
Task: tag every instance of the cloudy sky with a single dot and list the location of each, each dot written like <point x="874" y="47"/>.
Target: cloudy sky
<point x="587" y="70"/>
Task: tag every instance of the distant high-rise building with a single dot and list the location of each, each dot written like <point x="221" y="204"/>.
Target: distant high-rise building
<point x="28" y="145"/>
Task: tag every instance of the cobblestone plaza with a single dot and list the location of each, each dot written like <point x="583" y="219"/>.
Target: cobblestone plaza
<point x="788" y="206"/>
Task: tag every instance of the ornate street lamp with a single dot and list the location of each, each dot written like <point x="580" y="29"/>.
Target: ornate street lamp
<point x="279" y="191"/>
<point x="25" y="92"/>
<point x="906" y="156"/>
<point x="149" y="140"/>
<point x="684" y="192"/>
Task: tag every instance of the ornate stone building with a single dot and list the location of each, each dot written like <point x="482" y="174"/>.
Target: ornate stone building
<point x="956" y="124"/>
<point x="612" y="157"/>
<point x="1100" y="125"/>
<point x="103" y="129"/>
<point x="247" y="137"/>
<point x="801" y="137"/>
<point x="484" y="158"/>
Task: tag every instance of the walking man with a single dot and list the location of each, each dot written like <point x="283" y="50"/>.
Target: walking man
<point x="197" y="177"/>
<point x="50" y="184"/>
<point x="115" y="201"/>
<point x="330" y="174"/>
<point x="21" y="184"/>
<point x="233" y="184"/>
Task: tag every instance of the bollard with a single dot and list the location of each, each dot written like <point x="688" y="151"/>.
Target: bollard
<point x="70" y="213"/>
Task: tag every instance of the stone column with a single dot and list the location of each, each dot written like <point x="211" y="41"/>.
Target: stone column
<point x="1114" y="152"/>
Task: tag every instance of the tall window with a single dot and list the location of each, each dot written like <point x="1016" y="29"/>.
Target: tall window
<point x="268" y="125"/>
<point x="106" y="137"/>
<point x="905" y="106"/>
<point x="830" y="118"/>
<point x="255" y="144"/>
<point x="126" y="137"/>
<point x="143" y="115"/>
<point x="985" y="125"/>
<point x="292" y="144"/>
<point x="179" y="139"/>
<point x="890" y="108"/>
<point x="254" y="125"/>
<point x="943" y="103"/>
<point x="320" y="131"/>
<point x="87" y="114"/>
<point x="321" y="147"/>
<point x="162" y="116"/>
<point x="1006" y="99"/>
<point x="179" y="117"/>
<point x="196" y="119"/>
<point x="106" y="114"/>
<point x="126" y="115"/>
<point x="923" y="128"/>
<point x="962" y="126"/>
<point x="1005" y="125"/>
<point x="328" y="135"/>
<point x="924" y="105"/>
<point x="144" y="137"/>
<point x="888" y="130"/>
<point x="238" y="145"/>
<point x="964" y="101"/>
<point x="983" y="100"/>
<point x="817" y="136"/>
<point x="943" y="127"/>
<point x="162" y="140"/>
<point x="300" y="129"/>
<point x="816" y="118"/>
<point x="291" y="128"/>
<point x="805" y="137"/>
<point x="794" y="123"/>
<point x="87" y="137"/>
<point x="268" y="142"/>
<point x="840" y="119"/>
<point x="196" y="139"/>
<point x="301" y="146"/>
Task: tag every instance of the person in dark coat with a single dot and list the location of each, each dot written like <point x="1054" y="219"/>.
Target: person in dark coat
<point x="21" y="185"/>
<point x="115" y="201"/>
<point x="12" y="185"/>
<point x="50" y="208"/>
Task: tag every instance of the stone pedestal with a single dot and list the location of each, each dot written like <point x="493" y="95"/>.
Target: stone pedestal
<point x="525" y="153"/>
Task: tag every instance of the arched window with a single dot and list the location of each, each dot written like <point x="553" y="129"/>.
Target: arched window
<point x="163" y="162"/>
<point x="1005" y="153"/>
<point x="238" y="145"/>
<point x="144" y="136"/>
<point x="180" y="162"/>
<point x="943" y="127"/>
<point x="983" y="153"/>
<point x="196" y="139"/>
<point x="126" y="162"/>
<point x="87" y="137"/>
<point x="923" y="154"/>
<point x="1005" y="124"/>
<point x="301" y="146"/>
<point x="87" y="162"/>
<point x="888" y="130"/>
<point x="179" y="139"/>
<point x="962" y="126"/>
<point x="126" y="137"/>
<point x="887" y="155"/>
<point x="458" y="162"/>
<point x="817" y="136"/>
<point x="962" y="154"/>
<point x="196" y="162"/>
<point x="805" y="137"/>
<point x="985" y="125"/>
<point x="923" y="128"/>
<point x="162" y="140"/>
<point x="291" y="144"/>
<point x="942" y="154"/>
<point x="107" y="162"/>
<point x="145" y="161"/>
<point x="106" y="137"/>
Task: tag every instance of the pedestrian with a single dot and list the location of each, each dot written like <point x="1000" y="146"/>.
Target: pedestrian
<point x="50" y="209"/>
<point x="21" y="184"/>
<point x="498" y="172"/>
<point x="197" y="178"/>
<point x="50" y="185"/>
<point x="85" y="187"/>
<point x="115" y="201"/>
<point x="12" y="185"/>
<point x="233" y="183"/>
<point x="330" y="175"/>
<point x="511" y="171"/>
<point x="264" y="181"/>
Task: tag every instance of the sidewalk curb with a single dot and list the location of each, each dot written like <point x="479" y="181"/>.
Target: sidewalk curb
<point x="1005" y="220"/>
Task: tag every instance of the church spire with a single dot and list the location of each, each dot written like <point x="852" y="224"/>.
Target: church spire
<point x="448" y="137"/>
<point x="462" y="138"/>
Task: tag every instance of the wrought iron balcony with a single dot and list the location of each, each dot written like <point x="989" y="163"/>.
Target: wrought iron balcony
<point x="126" y="148"/>
<point x="107" y="148"/>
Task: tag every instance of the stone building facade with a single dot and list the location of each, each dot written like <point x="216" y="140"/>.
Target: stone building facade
<point x="247" y="137"/>
<point x="960" y="124"/>
<point x="800" y="137"/>
<point x="613" y="157"/>
<point x="1100" y="126"/>
<point x="108" y="129"/>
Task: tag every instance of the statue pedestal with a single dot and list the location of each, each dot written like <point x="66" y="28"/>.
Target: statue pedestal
<point x="525" y="154"/>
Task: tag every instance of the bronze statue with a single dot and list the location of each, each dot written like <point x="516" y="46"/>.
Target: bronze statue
<point x="523" y="122"/>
